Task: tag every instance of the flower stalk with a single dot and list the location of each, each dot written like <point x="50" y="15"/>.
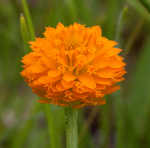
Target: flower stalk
<point x="71" y="116"/>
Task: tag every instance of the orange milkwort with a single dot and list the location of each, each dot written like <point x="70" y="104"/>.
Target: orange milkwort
<point x="73" y="66"/>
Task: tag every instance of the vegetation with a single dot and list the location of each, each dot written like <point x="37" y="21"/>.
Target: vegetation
<point x="123" y="122"/>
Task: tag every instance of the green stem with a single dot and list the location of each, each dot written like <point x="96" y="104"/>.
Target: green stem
<point x="71" y="127"/>
<point x="120" y="23"/>
<point x="24" y="32"/>
<point x="29" y="20"/>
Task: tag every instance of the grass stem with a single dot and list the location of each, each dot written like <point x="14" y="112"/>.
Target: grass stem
<point x="28" y="18"/>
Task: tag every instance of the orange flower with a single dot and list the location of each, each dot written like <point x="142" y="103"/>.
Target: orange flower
<point x="73" y="65"/>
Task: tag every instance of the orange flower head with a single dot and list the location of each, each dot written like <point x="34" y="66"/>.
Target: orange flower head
<point x="73" y="65"/>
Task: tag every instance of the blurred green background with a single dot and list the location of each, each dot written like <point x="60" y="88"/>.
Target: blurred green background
<point x="123" y="122"/>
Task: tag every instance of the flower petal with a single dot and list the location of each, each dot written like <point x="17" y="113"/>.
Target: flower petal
<point x="68" y="76"/>
<point x="87" y="80"/>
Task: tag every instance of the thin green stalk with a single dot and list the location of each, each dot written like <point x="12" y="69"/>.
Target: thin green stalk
<point x="71" y="128"/>
<point x="120" y="23"/>
<point x="24" y="31"/>
<point x="28" y="18"/>
<point x="51" y="128"/>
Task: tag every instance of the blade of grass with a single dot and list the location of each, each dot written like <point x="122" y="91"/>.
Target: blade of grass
<point x="28" y="18"/>
<point x="120" y="24"/>
<point x="24" y="32"/>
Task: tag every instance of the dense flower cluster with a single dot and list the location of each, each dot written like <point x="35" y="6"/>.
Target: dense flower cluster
<point x="73" y="65"/>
